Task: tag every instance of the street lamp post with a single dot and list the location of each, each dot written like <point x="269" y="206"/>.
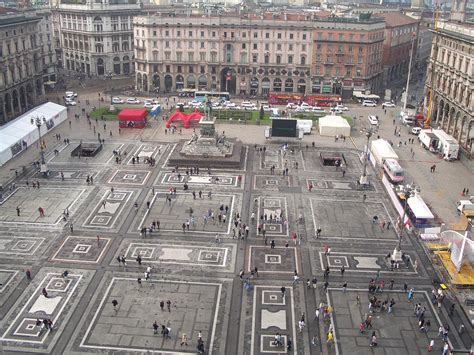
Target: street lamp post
<point x="38" y="122"/>
<point x="409" y="190"/>
<point x="409" y="73"/>
<point x="111" y="108"/>
<point x="363" y="179"/>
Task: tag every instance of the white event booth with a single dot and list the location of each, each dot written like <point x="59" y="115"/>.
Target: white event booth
<point x="19" y="134"/>
<point x="331" y="126"/>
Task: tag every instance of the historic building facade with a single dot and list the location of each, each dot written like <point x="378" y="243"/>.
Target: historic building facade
<point x="400" y="31"/>
<point x="452" y="64"/>
<point x="96" y="37"/>
<point x="21" y="68"/>
<point x="255" y="54"/>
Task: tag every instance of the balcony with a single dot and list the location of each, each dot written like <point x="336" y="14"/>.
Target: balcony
<point x="350" y="64"/>
<point x="328" y="63"/>
<point x="340" y="53"/>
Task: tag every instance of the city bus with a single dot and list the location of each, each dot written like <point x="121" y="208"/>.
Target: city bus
<point x="212" y="95"/>
<point x="393" y="170"/>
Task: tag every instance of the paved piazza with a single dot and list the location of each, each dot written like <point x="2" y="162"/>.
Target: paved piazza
<point x="53" y="201"/>
<point x="222" y="277"/>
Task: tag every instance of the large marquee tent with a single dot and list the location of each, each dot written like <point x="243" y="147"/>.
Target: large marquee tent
<point x="19" y="134"/>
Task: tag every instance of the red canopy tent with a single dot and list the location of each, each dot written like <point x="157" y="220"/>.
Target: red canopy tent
<point x="133" y="118"/>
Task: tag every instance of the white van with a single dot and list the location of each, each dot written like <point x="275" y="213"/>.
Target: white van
<point x="304" y="125"/>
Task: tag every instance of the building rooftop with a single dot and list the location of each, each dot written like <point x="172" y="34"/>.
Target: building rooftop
<point x="397" y="19"/>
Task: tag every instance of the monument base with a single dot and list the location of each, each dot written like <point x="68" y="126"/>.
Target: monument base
<point x="207" y="155"/>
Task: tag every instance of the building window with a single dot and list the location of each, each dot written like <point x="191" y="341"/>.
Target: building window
<point x="255" y="35"/>
<point x="291" y="35"/>
<point x="244" y="45"/>
<point x="267" y="46"/>
<point x="358" y="72"/>
<point x="203" y="69"/>
<point x="213" y="57"/>
<point x="341" y="37"/>
<point x="202" y="56"/>
<point x="168" y="69"/>
<point x="255" y="46"/>
<point x="290" y="47"/>
<point x="303" y="60"/>
<point x="154" y="33"/>
<point x="267" y="59"/>
<point x="179" y="69"/>
<point x="267" y="35"/>
<point x="202" y="33"/>
<point x="304" y="35"/>
<point x="290" y="59"/>
<point x="167" y="44"/>
<point x="178" y="44"/>
<point x="278" y="59"/>
<point x="202" y="44"/>
<point x="190" y="33"/>
<point x="213" y="70"/>
<point x="179" y="56"/>
<point x="348" y="72"/>
<point x="303" y="47"/>
<point x="254" y="58"/>
<point x="213" y="33"/>
<point x="278" y="47"/>
<point x="244" y="34"/>
<point x="167" y="33"/>
<point x="190" y="44"/>
<point x="279" y="35"/>
<point x="167" y="55"/>
<point x="191" y="56"/>
<point x="191" y="69"/>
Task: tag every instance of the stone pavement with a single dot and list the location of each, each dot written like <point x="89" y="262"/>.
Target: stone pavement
<point x="86" y="227"/>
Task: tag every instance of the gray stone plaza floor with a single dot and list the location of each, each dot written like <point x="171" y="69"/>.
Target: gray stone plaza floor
<point x="195" y="270"/>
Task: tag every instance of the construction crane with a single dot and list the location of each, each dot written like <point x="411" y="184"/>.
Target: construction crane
<point x="434" y="55"/>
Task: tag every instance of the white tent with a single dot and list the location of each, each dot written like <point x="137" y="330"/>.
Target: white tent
<point x="20" y="133"/>
<point x="331" y="126"/>
<point x="380" y="150"/>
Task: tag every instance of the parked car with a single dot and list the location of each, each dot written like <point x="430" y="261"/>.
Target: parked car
<point x="373" y="120"/>
<point x="336" y="111"/>
<point x="229" y="104"/>
<point x="291" y="106"/>
<point x="182" y="104"/>
<point x="266" y="108"/>
<point x="71" y="103"/>
<point x="341" y="107"/>
<point x="369" y="103"/>
<point x="117" y="100"/>
<point x="133" y="100"/>
<point x="148" y="104"/>
<point x="70" y="94"/>
<point x="415" y="130"/>
<point x="388" y="104"/>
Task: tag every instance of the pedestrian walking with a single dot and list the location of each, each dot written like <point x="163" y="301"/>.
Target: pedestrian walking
<point x="162" y="306"/>
<point x="168" y="305"/>
<point x="18" y="211"/>
<point x="316" y="314"/>
<point x="344" y="287"/>
<point x="283" y="291"/>
<point x="155" y="327"/>
<point x="184" y="339"/>
<point x="342" y="270"/>
<point x="115" y="305"/>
